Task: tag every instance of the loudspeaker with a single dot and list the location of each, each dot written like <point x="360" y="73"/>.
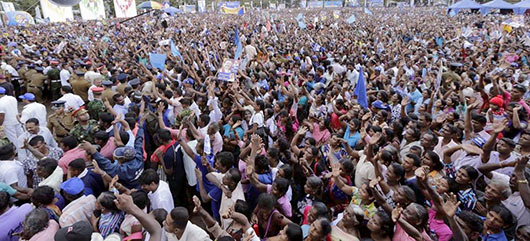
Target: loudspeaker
<point x="66" y="3"/>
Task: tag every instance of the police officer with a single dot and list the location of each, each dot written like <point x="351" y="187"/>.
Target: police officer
<point x="80" y="85"/>
<point x="135" y="83"/>
<point x="36" y="83"/>
<point x="96" y="106"/>
<point x="85" y="128"/>
<point x="61" y="122"/>
<point x="122" y="78"/>
<point x="108" y="93"/>
<point x="55" y="79"/>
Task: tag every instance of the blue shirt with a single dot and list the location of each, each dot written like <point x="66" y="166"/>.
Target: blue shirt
<point x="351" y="139"/>
<point x="495" y="237"/>
<point x="128" y="172"/>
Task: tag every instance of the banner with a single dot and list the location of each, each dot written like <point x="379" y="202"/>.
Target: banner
<point x="17" y="18"/>
<point x="202" y="6"/>
<point x="352" y="3"/>
<point x="333" y="4"/>
<point x="232" y="8"/>
<point x="56" y="13"/>
<point x="234" y="4"/>
<point x="376" y="3"/>
<point x="37" y="13"/>
<point x="92" y="9"/>
<point x="125" y="8"/>
<point x="8" y="7"/>
<point x="228" y="70"/>
<point x="315" y="4"/>
<point x="303" y="3"/>
<point x="189" y="8"/>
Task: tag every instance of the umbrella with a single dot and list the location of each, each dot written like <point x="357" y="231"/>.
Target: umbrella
<point x="150" y="5"/>
<point x="172" y="10"/>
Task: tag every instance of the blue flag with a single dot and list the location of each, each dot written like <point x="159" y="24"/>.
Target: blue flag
<point x="239" y="47"/>
<point x="452" y="13"/>
<point x="299" y="17"/>
<point x="360" y="90"/>
<point x="367" y="11"/>
<point x="351" y="19"/>
<point x="484" y="11"/>
<point x="158" y="61"/>
<point x="301" y="24"/>
<point x="175" y="52"/>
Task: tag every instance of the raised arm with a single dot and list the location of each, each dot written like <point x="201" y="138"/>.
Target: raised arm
<point x="468" y="129"/>
<point x="125" y="203"/>
<point x="412" y="231"/>
<point x="522" y="182"/>
<point x="449" y="209"/>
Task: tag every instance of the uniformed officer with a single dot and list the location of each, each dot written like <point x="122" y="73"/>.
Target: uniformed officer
<point x="122" y="78"/>
<point x="80" y="85"/>
<point x="30" y="69"/>
<point x="36" y="83"/>
<point x="55" y="79"/>
<point x="96" y="106"/>
<point x="85" y="128"/>
<point x="108" y="93"/>
<point x="61" y="122"/>
<point x="135" y="83"/>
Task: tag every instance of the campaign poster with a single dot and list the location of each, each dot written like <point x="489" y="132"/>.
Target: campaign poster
<point x="125" y="8"/>
<point x="92" y="9"/>
<point x="56" y="13"/>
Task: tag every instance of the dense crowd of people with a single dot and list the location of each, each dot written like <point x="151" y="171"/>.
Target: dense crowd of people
<point x="394" y="124"/>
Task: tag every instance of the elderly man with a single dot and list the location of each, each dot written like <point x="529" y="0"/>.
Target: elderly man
<point x="33" y="129"/>
<point x="129" y="165"/>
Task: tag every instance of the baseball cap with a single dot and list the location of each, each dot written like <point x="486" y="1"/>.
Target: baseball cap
<point x="73" y="186"/>
<point x="80" y="231"/>
<point x="27" y="96"/>
<point x="126" y="152"/>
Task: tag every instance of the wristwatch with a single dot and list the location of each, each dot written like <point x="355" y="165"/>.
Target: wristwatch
<point x="522" y="181"/>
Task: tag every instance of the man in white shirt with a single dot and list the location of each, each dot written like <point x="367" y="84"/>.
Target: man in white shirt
<point x="250" y="50"/>
<point x="64" y="75"/>
<point x="11" y="171"/>
<point x="32" y="109"/>
<point x="8" y="116"/>
<point x="33" y="129"/>
<point x="179" y="228"/>
<point x="159" y="194"/>
<point x="73" y="102"/>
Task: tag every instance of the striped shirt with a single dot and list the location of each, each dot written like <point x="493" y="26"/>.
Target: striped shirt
<point x="80" y="209"/>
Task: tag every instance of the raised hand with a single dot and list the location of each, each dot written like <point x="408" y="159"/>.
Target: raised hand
<point x="124" y="202"/>
<point x="197" y="204"/>
<point x="396" y="213"/>
<point x="302" y="130"/>
<point x="96" y="169"/>
<point x="521" y="163"/>
<point x="498" y="127"/>
<point x="450" y="206"/>
<point x="375" y="138"/>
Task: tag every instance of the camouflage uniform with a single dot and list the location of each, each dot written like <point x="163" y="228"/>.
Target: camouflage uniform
<point x="94" y="108"/>
<point x="85" y="133"/>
